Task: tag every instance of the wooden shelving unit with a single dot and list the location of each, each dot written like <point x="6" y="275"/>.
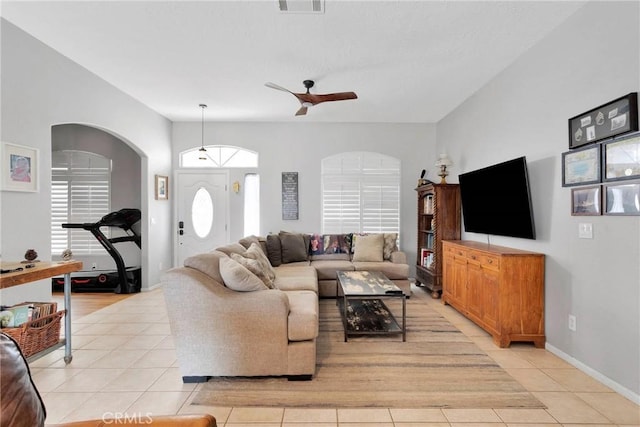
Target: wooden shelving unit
<point x="438" y="220"/>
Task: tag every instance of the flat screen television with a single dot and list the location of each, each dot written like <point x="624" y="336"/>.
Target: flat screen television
<point x="496" y="200"/>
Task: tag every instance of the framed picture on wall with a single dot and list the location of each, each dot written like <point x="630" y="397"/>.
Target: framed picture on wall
<point x="621" y="158"/>
<point x="613" y="118"/>
<point x="162" y="187"/>
<point x="19" y="168"/>
<point x="586" y="200"/>
<point x="582" y="166"/>
<point x="622" y="198"/>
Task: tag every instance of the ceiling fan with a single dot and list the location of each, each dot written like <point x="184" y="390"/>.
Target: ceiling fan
<point x="310" y="99"/>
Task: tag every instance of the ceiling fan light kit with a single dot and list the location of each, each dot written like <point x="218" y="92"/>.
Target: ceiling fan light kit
<point x="308" y="99"/>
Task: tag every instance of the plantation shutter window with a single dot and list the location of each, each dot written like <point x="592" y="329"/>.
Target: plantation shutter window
<point x="360" y="193"/>
<point x="80" y="192"/>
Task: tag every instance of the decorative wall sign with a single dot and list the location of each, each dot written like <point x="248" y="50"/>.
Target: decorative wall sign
<point x="580" y="167"/>
<point x="19" y="168"/>
<point x="614" y="118"/>
<point x="586" y="200"/>
<point x="622" y="199"/>
<point x="621" y="158"/>
<point x="289" y="195"/>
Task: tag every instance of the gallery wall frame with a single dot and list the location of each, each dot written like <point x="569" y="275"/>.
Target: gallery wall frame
<point x="20" y="166"/>
<point x="582" y="166"/>
<point x="586" y="200"/>
<point x="162" y="187"/>
<point x="614" y="118"/>
<point x="622" y="198"/>
<point x="621" y="158"/>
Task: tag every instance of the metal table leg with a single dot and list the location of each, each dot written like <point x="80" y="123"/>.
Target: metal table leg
<point x="67" y="319"/>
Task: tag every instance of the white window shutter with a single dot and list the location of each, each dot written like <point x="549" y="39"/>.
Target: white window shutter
<point x="360" y="193"/>
<point x="80" y="192"/>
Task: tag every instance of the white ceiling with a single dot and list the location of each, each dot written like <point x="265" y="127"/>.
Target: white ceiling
<point x="408" y="61"/>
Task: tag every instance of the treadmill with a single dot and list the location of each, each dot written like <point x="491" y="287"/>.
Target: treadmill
<point x="127" y="279"/>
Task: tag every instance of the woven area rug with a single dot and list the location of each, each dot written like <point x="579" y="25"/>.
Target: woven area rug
<point x="437" y="367"/>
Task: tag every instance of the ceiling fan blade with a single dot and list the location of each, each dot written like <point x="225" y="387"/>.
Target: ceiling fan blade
<point x="317" y="99"/>
<point x="302" y="111"/>
<point x="275" y="86"/>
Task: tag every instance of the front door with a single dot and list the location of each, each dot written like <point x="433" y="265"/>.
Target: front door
<point x="201" y="212"/>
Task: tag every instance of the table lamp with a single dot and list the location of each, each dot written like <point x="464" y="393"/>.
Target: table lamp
<point x="442" y="162"/>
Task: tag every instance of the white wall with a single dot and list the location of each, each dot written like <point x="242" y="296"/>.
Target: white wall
<point x="41" y="88"/>
<point x="591" y="59"/>
<point x="299" y="147"/>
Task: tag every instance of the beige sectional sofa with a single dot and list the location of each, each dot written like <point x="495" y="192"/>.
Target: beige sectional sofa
<point x="232" y="315"/>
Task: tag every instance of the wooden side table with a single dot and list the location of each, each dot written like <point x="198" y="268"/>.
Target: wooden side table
<point x="45" y="270"/>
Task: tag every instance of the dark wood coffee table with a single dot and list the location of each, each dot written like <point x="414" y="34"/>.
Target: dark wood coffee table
<point x="367" y="291"/>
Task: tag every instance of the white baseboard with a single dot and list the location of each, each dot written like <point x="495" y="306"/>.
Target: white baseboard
<point x="634" y="397"/>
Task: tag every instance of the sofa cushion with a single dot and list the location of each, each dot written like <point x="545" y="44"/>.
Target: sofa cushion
<point x="327" y="269"/>
<point x="239" y="278"/>
<point x="303" y="315"/>
<point x="393" y="271"/>
<point x="255" y="267"/>
<point x="208" y="263"/>
<point x="274" y="250"/>
<point x="369" y="248"/>
<point x="330" y="257"/>
<point x="232" y="248"/>
<point x="296" y="278"/>
<point x="294" y="247"/>
<point x="390" y="245"/>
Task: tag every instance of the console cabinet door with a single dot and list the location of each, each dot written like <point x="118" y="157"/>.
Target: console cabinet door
<point x="475" y="291"/>
<point x="490" y="298"/>
<point x="459" y="281"/>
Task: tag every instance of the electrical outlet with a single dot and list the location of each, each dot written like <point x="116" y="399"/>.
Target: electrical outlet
<point x="94" y="265"/>
<point x="572" y="322"/>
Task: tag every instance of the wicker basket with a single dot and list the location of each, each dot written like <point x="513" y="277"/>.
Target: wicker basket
<point x="37" y="335"/>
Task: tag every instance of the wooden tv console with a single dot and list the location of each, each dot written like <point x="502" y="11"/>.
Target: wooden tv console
<point x="500" y="289"/>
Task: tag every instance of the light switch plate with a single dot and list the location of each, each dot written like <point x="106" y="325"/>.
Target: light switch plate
<point x="585" y="230"/>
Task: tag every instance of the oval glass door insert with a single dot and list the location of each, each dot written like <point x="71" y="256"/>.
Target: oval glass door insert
<point x="202" y="213"/>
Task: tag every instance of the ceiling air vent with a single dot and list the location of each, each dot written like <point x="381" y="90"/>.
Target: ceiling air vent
<point x="301" y="6"/>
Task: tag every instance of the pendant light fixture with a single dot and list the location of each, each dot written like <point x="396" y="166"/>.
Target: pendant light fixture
<point x="202" y="150"/>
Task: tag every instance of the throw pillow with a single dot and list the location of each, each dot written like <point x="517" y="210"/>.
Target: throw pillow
<point x="248" y="240"/>
<point x="254" y="266"/>
<point x="274" y="249"/>
<point x="316" y="245"/>
<point x="336" y="243"/>
<point x="390" y="244"/>
<point x="238" y="278"/>
<point x="369" y="248"/>
<point x="255" y="252"/>
<point x="354" y="239"/>
<point x="294" y="248"/>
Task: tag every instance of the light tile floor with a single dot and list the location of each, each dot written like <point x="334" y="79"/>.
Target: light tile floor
<point x="124" y="364"/>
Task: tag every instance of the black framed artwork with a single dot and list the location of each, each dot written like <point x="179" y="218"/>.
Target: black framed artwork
<point x="614" y="118"/>
<point x="621" y="158"/>
<point x="581" y="166"/>
<point x="622" y="198"/>
<point x="586" y="200"/>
